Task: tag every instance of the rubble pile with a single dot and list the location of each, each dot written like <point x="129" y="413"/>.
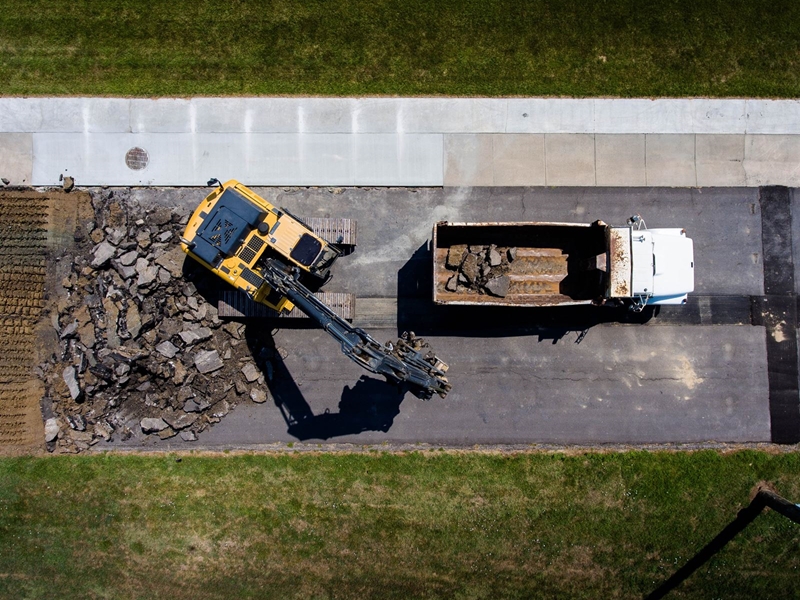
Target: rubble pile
<point x="140" y="352"/>
<point x="480" y="269"/>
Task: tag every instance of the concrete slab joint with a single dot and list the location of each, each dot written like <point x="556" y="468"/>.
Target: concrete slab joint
<point x="404" y="141"/>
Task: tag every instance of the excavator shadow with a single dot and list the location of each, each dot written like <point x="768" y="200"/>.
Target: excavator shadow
<point x="416" y="311"/>
<point x="369" y="405"/>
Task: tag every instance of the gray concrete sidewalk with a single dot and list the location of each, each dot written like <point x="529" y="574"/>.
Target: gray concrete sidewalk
<point x="401" y="141"/>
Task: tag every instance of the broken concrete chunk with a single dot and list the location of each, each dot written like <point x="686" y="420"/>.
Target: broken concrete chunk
<point x="152" y="425"/>
<point x="102" y="254"/>
<point x="196" y="405"/>
<point x="122" y="369"/>
<point x="128" y="258"/>
<point x="250" y="372"/>
<point x="207" y="361"/>
<point x="147" y="272"/>
<point x="455" y="256"/>
<point x="51" y="429"/>
<point x="512" y="254"/>
<point x="143" y="239"/>
<point x="124" y="272"/>
<point x="452" y="284"/>
<point x="179" y="372"/>
<point x="180" y="420"/>
<point x="172" y="261"/>
<point x="69" y="330"/>
<point x="258" y="395"/>
<point x="470" y="268"/>
<point x="160" y="216"/>
<point x="115" y="236"/>
<point x="103" y="429"/>
<point x="82" y="316"/>
<point x="167" y="349"/>
<point x="198" y="334"/>
<point x="72" y="383"/>
<point x="234" y="329"/>
<point x="133" y="322"/>
<point x="77" y="422"/>
<point x="111" y="314"/>
<point x="201" y="312"/>
<point x="498" y="286"/>
<point x="167" y="433"/>
<point x="188" y="436"/>
<point x="494" y="258"/>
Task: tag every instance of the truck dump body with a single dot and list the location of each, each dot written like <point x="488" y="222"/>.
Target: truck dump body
<point x="519" y="264"/>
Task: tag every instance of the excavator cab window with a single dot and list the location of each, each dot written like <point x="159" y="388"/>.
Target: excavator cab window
<point x="306" y="250"/>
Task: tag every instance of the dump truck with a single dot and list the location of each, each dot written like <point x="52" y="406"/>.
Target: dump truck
<point x="275" y="258"/>
<point x="560" y="264"/>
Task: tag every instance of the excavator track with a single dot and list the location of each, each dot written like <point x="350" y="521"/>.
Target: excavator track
<point x="235" y="304"/>
<point x="341" y="232"/>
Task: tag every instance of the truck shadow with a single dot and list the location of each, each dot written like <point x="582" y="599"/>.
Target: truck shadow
<point x="416" y="311"/>
<point x="369" y="405"/>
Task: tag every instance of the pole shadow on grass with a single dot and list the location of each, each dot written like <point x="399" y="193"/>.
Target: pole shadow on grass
<point x="369" y="405"/>
<point x="762" y="499"/>
<point x="416" y="311"/>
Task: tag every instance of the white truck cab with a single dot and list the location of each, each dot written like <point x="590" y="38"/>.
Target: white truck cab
<point x="651" y="266"/>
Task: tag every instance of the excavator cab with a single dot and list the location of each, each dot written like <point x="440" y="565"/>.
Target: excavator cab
<point x="234" y="230"/>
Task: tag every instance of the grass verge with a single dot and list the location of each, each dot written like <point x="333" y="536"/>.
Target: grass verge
<point x="406" y="47"/>
<point x="434" y="525"/>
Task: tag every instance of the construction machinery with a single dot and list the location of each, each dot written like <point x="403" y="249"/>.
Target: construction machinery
<point x="557" y="264"/>
<point x="273" y="257"/>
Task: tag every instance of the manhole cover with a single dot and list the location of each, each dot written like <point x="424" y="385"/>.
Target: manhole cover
<point x="136" y="158"/>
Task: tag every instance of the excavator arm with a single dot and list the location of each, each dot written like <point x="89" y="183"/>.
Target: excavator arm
<point x="400" y="362"/>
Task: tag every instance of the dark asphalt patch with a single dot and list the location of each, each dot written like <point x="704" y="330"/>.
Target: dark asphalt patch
<point x="777" y="311"/>
<point x="707" y="310"/>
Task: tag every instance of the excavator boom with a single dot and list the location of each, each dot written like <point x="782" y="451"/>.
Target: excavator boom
<point x="400" y="362"/>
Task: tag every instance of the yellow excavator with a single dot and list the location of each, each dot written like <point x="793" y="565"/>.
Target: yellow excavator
<point x="270" y="254"/>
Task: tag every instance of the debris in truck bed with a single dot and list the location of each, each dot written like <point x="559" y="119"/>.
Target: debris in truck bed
<point x="479" y="269"/>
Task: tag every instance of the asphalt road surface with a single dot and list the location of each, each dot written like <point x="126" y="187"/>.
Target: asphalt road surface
<point x="721" y="369"/>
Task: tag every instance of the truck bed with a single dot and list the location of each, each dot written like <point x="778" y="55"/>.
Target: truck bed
<point x="545" y="264"/>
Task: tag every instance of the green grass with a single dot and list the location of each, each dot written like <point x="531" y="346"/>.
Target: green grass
<point x="407" y="47"/>
<point x="434" y="525"/>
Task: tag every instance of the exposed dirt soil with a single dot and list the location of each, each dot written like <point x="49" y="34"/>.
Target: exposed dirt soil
<point x="32" y="226"/>
<point x="131" y="344"/>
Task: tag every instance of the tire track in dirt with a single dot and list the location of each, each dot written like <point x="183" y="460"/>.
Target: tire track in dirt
<point x="31" y="224"/>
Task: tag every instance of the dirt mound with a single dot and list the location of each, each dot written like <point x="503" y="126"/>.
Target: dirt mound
<point x="138" y="348"/>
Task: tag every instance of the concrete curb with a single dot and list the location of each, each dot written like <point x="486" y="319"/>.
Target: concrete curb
<point x="402" y="141"/>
